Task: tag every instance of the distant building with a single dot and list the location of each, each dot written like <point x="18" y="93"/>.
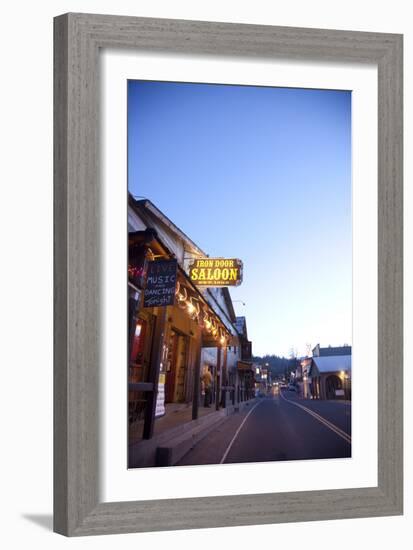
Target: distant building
<point x="246" y="385"/>
<point x="329" y="351"/>
<point x="262" y="378"/>
<point x="304" y="377"/>
<point x="329" y="373"/>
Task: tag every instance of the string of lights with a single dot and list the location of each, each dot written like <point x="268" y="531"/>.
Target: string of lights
<point x="199" y="313"/>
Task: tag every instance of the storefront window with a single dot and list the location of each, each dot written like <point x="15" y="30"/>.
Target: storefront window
<point x="138" y="342"/>
<point x="176" y="368"/>
<point x="136" y="369"/>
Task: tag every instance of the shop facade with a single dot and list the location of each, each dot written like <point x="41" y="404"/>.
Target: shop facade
<point x="181" y="351"/>
<point x="245" y="366"/>
<point x="330" y="377"/>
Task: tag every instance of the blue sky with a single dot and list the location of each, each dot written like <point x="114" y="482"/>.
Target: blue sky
<point x="262" y="174"/>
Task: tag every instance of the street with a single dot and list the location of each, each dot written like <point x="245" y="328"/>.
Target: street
<point x="282" y="427"/>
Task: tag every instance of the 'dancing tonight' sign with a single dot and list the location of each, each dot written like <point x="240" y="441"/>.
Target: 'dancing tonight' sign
<point x="216" y="272"/>
<point x="160" y="283"/>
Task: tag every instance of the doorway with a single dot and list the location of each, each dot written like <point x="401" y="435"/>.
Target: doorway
<point x="333" y="383"/>
<point x="139" y="358"/>
<point x="176" y="368"/>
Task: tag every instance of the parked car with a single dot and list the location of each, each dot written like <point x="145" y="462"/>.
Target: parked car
<point x="291" y="387"/>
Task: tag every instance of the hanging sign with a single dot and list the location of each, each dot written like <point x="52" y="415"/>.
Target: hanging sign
<point x="160" y="283"/>
<point x="215" y="272"/>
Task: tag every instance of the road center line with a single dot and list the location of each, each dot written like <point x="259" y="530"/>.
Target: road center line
<point x="321" y="419"/>
<point x="237" y="432"/>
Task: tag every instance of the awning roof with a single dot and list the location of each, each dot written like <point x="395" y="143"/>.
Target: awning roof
<point x="245" y="365"/>
<point x="150" y="239"/>
<point x="333" y="363"/>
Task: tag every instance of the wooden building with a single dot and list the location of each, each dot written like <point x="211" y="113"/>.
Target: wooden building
<point x="245" y="366"/>
<point x="330" y="374"/>
<point x="170" y="347"/>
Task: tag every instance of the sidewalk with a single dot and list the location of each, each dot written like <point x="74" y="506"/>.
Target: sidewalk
<point x="176" y="433"/>
<point x="176" y="414"/>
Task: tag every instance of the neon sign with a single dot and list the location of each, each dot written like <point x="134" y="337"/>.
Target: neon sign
<point x="216" y="272"/>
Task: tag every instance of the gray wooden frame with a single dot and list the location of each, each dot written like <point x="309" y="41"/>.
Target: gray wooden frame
<point x="77" y="506"/>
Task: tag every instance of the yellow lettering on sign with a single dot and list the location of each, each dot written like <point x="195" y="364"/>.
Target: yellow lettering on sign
<point x="215" y="272"/>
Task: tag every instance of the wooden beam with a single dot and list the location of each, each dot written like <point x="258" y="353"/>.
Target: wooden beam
<point x="197" y="375"/>
<point x="218" y="384"/>
<point x="224" y="377"/>
<point x="153" y="375"/>
<point x="140" y="386"/>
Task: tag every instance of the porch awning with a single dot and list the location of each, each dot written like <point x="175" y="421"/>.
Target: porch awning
<point x="244" y="366"/>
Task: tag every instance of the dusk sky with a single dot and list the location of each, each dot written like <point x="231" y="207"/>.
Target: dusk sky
<point x="262" y="174"/>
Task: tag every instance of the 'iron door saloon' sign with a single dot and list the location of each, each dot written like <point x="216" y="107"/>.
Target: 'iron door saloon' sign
<point x="216" y="272"/>
<point x="160" y="283"/>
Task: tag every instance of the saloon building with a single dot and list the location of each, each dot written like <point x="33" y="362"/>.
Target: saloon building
<point x="184" y="339"/>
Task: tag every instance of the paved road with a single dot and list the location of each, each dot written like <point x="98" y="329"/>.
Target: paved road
<point x="279" y="428"/>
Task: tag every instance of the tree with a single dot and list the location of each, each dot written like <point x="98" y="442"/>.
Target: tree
<point x="276" y="364"/>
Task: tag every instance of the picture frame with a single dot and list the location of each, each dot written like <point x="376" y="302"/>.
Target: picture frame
<point x="78" y="39"/>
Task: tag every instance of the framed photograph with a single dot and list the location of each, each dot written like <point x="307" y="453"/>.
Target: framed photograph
<point x="228" y="274"/>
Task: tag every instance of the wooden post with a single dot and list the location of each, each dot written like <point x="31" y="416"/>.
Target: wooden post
<point x="224" y="378"/>
<point x="197" y="374"/>
<point x="218" y="384"/>
<point x="154" y="369"/>
<point x="133" y="307"/>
